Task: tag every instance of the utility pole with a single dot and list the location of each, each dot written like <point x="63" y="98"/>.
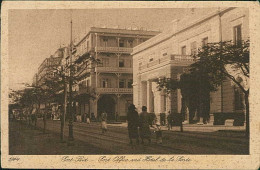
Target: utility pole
<point x="65" y="105"/>
<point x="70" y="139"/>
<point x="220" y="38"/>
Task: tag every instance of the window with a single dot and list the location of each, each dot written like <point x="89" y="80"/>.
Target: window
<point x="164" y="54"/>
<point x="104" y="83"/>
<point x="237" y="35"/>
<point x="130" y="43"/>
<point x="121" y="63"/>
<point x="204" y="41"/>
<point x="105" y="40"/>
<point x="164" y="103"/>
<point x="193" y="48"/>
<point x="121" y="83"/>
<point x="151" y="57"/>
<point x="130" y="83"/>
<point x="121" y="43"/>
<point x="104" y="62"/>
<point x="183" y="50"/>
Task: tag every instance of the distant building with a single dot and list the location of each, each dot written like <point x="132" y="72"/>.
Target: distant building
<point x="169" y="53"/>
<point x="46" y="69"/>
<point x="35" y="79"/>
<point x="110" y="82"/>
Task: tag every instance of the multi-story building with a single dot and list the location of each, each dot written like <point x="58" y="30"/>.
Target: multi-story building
<point x="35" y="79"/>
<point x="109" y="81"/>
<point x="46" y="69"/>
<point x="169" y="53"/>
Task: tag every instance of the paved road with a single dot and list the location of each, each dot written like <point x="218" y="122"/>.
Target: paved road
<point x="115" y="141"/>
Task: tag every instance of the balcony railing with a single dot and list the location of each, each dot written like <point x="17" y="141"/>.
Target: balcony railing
<point x="83" y="89"/>
<point x="114" y="49"/>
<point x="115" y="90"/>
<point x="176" y="58"/>
<point x="114" y="70"/>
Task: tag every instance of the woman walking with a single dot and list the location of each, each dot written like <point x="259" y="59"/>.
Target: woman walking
<point x="145" y="132"/>
<point x="88" y="118"/>
<point x="104" y="122"/>
<point x="133" y="121"/>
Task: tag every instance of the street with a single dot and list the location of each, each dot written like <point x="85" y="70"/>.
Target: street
<point x="90" y="140"/>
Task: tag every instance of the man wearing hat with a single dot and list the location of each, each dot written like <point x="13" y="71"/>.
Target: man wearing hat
<point x="133" y="121"/>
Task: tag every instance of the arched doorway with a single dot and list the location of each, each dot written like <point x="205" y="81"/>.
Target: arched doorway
<point x="107" y="103"/>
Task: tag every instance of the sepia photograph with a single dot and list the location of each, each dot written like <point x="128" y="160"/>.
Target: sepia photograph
<point x="128" y="81"/>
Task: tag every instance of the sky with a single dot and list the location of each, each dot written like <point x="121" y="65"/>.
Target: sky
<point x="36" y="34"/>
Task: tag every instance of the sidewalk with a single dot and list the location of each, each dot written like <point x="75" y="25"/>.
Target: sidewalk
<point x="197" y="128"/>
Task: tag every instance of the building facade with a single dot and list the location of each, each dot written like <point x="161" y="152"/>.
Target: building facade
<point x="169" y="53"/>
<point x="47" y="71"/>
<point x="108" y="82"/>
<point x="35" y="79"/>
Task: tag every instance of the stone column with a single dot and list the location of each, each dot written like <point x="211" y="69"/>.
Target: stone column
<point x="149" y="97"/>
<point x="169" y="101"/>
<point x="162" y="102"/>
<point x="179" y="100"/>
<point x="144" y="93"/>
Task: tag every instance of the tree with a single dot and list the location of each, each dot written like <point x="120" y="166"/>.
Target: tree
<point x="195" y="90"/>
<point x="226" y="60"/>
<point x="69" y="75"/>
<point x="214" y="63"/>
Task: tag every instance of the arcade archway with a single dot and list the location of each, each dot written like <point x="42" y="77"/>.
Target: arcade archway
<point x="107" y="103"/>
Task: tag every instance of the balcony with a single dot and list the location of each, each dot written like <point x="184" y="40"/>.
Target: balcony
<point x="180" y="60"/>
<point x="115" y="90"/>
<point x="114" y="70"/>
<point x="114" y="50"/>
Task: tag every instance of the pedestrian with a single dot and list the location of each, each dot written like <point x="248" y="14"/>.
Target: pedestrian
<point x="116" y="116"/>
<point x="169" y="120"/>
<point x="158" y="133"/>
<point x="93" y="116"/>
<point x="88" y="118"/>
<point x="104" y="122"/>
<point x="34" y="117"/>
<point x="84" y="117"/>
<point x="152" y="119"/>
<point x="162" y="119"/>
<point x="132" y="123"/>
<point x="144" y="120"/>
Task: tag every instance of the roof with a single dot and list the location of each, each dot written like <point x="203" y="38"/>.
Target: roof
<point x="119" y="31"/>
<point x="176" y="27"/>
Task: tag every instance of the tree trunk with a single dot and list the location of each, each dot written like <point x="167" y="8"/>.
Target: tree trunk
<point x="247" y="113"/>
<point x="44" y="118"/>
<point x="63" y="114"/>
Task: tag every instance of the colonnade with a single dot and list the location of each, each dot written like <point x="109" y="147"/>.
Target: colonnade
<point x="156" y="101"/>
